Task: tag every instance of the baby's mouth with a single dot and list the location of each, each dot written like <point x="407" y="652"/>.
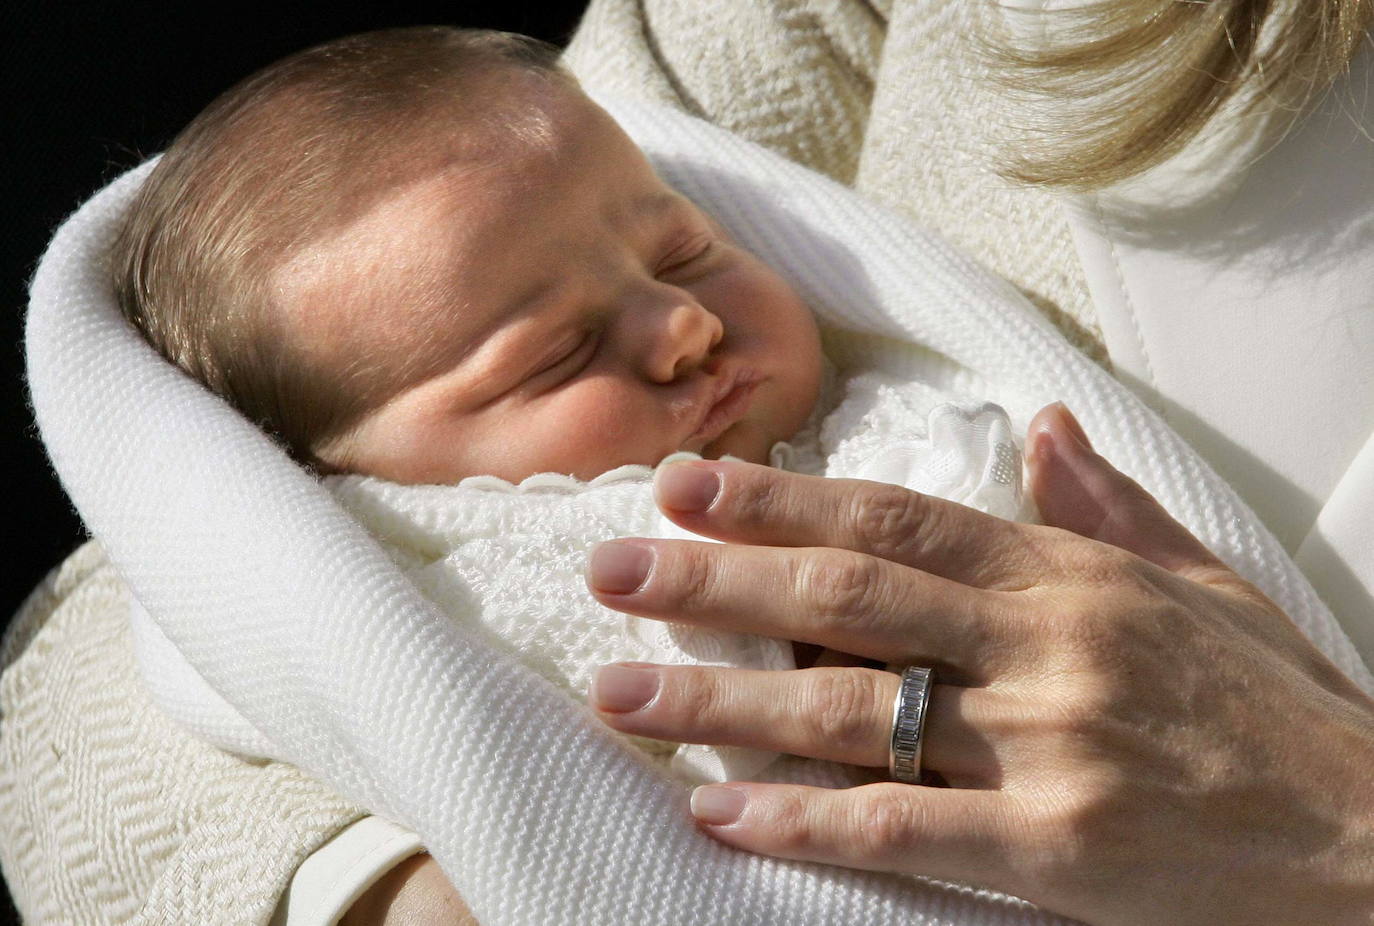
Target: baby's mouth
<point x="725" y="406"/>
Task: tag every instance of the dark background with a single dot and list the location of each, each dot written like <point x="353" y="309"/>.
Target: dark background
<point x="93" y="88"/>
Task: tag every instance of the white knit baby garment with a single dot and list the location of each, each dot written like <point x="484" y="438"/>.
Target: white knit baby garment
<point x="507" y="561"/>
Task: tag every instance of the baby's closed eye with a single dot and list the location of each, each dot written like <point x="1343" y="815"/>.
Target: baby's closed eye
<point x="567" y="361"/>
<point x="686" y="256"/>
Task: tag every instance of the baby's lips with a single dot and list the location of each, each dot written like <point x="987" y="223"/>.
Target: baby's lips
<point x="728" y="407"/>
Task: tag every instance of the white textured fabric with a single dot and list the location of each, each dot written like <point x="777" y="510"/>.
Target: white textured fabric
<point x="98" y="828"/>
<point x="908" y="435"/>
<point x="296" y="617"/>
<point x="505" y="562"/>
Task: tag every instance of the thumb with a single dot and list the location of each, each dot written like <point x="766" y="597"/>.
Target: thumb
<point x="1078" y="490"/>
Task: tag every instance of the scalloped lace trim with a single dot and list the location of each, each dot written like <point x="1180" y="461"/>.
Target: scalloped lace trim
<point x="564" y="484"/>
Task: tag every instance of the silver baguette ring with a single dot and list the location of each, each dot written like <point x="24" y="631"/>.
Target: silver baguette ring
<point x="909" y="724"/>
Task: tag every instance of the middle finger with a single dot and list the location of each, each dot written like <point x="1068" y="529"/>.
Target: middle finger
<point x="839" y="599"/>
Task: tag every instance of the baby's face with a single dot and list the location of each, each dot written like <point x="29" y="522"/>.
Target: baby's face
<point x="559" y="310"/>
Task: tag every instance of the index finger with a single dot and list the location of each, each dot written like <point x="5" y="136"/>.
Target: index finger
<point x="748" y="503"/>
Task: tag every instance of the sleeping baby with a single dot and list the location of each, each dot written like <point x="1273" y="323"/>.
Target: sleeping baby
<point x="433" y="269"/>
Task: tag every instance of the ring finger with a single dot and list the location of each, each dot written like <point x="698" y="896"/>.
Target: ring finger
<point x="840" y="714"/>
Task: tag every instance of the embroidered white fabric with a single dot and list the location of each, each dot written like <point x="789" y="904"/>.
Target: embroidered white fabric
<point x="294" y="617"/>
<point x="506" y="562"/>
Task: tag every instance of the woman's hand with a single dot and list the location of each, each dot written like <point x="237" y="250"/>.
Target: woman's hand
<point x="1132" y="733"/>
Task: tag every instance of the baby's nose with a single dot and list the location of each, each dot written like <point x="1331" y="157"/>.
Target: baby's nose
<point x="687" y="333"/>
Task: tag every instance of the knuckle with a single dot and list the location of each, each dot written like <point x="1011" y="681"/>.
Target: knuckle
<point x="792" y="824"/>
<point x="756" y="502"/>
<point x="887" y="517"/>
<point x="691" y="583"/>
<point x="1100" y="635"/>
<point x="1050" y="837"/>
<point x="1073" y="822"/>
<point x="1014" y="563"/>
<point x="842" y="588"/>
<point x="840" y="708"/>
<point x="1222" y="577"/>
<point x="695" y="696"/>
<point x="1093" y="564"/>
<point x="1082" y="627"/>
<point x="1092" y="706"/>
<point x="883" y="822"/>
<point x="1057" y="619"/>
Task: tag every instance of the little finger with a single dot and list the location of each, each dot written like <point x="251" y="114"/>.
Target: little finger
<point x="938" y="832"/>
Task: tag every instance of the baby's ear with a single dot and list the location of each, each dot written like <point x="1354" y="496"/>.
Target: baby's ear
<point x="332" y="457"/>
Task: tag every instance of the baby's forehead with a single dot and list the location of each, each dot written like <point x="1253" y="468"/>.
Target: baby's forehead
<point x="451" y="153"/>
<point x="458" y="183"/>
<point x="517" y="116"/>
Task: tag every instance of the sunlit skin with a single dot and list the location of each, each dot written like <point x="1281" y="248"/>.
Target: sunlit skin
<point x="568" y="311"/>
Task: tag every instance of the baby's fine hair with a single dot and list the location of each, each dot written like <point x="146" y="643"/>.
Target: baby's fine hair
<point x="263" y="169"/>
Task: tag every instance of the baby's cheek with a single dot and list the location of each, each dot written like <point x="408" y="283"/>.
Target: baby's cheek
<point x="600" y="429"/>
<point x="747" y="440"/>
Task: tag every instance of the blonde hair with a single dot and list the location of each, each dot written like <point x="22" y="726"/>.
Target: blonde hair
<point x="260" y="171"/>
<point x="1128" y="83"/>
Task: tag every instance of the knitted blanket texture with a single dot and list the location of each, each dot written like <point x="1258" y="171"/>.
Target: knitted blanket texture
<point x="505" y="562"/>
<point x="293" y="615"/>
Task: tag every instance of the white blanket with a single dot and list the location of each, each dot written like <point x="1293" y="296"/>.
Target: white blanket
<point x="293" y="615"/>
<point x="505" y="562"/>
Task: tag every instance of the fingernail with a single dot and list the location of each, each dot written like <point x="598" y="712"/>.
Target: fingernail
<point x="619" y="568"/>
<point x="686" y="487"/>
<point x="622" y="688"/>
<point x="1073" y="427"/>
<point x="718" y="806"/>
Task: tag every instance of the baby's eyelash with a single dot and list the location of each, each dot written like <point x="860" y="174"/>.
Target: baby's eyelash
<point x="575" y="359"/>
<point x="681" y="257"/>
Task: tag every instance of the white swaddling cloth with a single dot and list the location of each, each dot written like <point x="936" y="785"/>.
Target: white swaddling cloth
<point x="294" y="617"/>
<point x="505" y="562"/>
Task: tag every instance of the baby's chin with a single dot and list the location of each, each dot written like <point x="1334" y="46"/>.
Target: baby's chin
<point x="745" y="441"/>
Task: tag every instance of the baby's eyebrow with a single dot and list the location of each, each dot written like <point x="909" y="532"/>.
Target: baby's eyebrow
<point x="663" y="214"/>
<point x="657" y="203"/>
<point x="527" y="298"/>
